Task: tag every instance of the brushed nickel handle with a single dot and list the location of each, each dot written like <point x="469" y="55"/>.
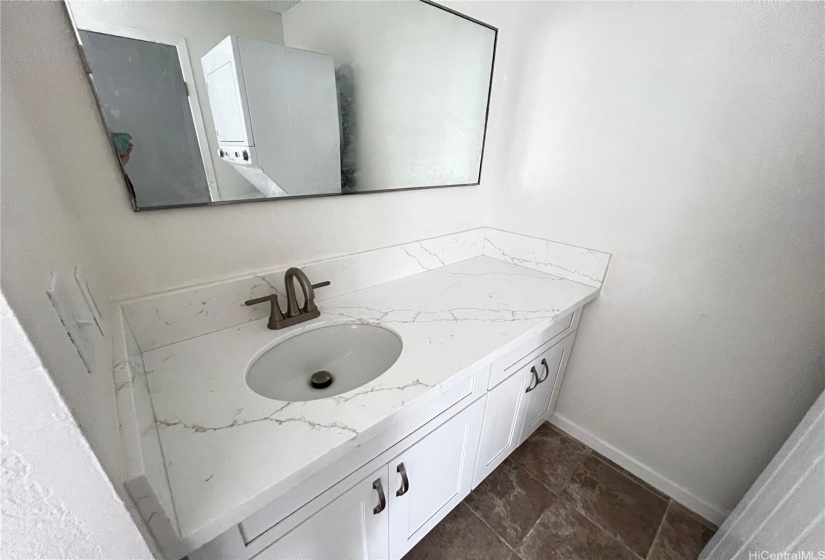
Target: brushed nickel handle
<point x="405" y="482"/>
<point x="382" y="499"/>
<point x="546" y="370"/>
<point x="535" y="378"/>
<point x="275" y="313"/>
<point x="261" y="299"/>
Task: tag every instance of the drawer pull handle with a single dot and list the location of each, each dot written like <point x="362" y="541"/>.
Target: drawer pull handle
<point x="546" y="370"/>
<point x="405" y="482"/>
<point x="535" y="378"/>
<point x="382" y="499"/>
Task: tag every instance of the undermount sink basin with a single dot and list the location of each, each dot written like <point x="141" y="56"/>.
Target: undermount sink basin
<point x="323" y="362"/>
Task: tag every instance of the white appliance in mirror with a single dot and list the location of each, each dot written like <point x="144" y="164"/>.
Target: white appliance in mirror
<point x="262" y="94"/>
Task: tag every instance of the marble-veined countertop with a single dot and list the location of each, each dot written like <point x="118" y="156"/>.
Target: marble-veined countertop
<point x="227" y="448"/>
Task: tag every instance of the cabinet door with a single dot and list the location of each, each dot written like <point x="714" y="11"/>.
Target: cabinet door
<point x="540" y="402"/>
<point x="353" y="526"/>
<point x="432" y="477"/>
<point x="502" y="422"/>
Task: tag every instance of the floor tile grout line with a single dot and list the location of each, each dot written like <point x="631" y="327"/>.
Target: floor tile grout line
<point x="558" y="493"/>
<point x="588" y="452"/>
<point x="630" y="476"/>
<point x="567" y="482"/>
<point x="633" y="478"/>
<point x="538" y="480"/>
<point x="530" y="531"/>
<point x="696" y="517"/>
<point x="594" y="454"/>
<point x="638" y="481"/>
<point x="602" y="528"/>
<point x="556" y="496"/>
<point x="568" y="500"/>
<point x="513" y="550"/>
<point x="659" y="530"/>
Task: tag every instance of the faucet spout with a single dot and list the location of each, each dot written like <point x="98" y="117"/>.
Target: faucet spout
<point x="292" y="309"/>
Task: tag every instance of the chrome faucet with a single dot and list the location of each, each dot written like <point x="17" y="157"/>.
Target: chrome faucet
<point x="294" y="314"/>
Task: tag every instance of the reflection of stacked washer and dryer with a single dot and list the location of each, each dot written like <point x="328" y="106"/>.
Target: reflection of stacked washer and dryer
<point x="275" y="112"/>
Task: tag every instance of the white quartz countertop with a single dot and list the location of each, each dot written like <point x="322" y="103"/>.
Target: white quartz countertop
<point x="228" y="450"/>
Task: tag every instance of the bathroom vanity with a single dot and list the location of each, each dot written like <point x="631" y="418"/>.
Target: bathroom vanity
<point x="222" y="471"/>
<point x="420" y="472"/>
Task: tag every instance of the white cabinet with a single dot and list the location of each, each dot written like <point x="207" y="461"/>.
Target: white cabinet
<point x="546" y="372"/>
<point x="354" y="525"/>
<point x="432" y="477"/>
<point x="517" y="406"/>
<point x="501" y="428"/>
<point x="395" y="500"/>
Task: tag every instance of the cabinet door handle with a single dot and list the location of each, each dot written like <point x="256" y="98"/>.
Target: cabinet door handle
<point x="382" y="499"/>
<point x="405" y="482"/>
<point x="531" y="385"/>
<point x="546" y="370"/>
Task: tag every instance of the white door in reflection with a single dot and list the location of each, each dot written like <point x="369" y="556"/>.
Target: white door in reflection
<point x="145" y="103"/>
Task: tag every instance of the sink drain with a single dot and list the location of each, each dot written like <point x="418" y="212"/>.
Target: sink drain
<point x="320" y="380"/>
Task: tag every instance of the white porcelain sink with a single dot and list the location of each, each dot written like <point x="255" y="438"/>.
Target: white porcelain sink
<point x="352" y="355"/>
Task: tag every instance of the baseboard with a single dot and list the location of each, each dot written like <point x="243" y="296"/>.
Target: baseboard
<point x="685" y="497"/>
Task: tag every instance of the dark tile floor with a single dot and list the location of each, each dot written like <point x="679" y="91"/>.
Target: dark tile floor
<point x="556" y="499"/>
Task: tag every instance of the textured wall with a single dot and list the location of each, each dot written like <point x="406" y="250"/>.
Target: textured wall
<point x="56" y="500"/>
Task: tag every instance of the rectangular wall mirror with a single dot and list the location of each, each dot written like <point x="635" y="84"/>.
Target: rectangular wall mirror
<point x="224" y="102"/>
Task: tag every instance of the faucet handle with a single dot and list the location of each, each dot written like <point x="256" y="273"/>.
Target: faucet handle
<point x="260" y="299"/>
<point x="321" y="284"/>
<point x="275" y="315"/>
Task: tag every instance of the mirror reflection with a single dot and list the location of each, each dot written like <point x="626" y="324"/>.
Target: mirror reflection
<point x="216" y="102"/>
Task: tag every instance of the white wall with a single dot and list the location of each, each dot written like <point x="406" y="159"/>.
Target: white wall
<point x="687" y="140"/>
<point x="203" y="25"/>
<point x="56" y="500"/>
<point x="412" y="82"/>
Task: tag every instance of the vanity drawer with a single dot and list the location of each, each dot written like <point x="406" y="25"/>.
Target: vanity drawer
<point x="508" y="365"/>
